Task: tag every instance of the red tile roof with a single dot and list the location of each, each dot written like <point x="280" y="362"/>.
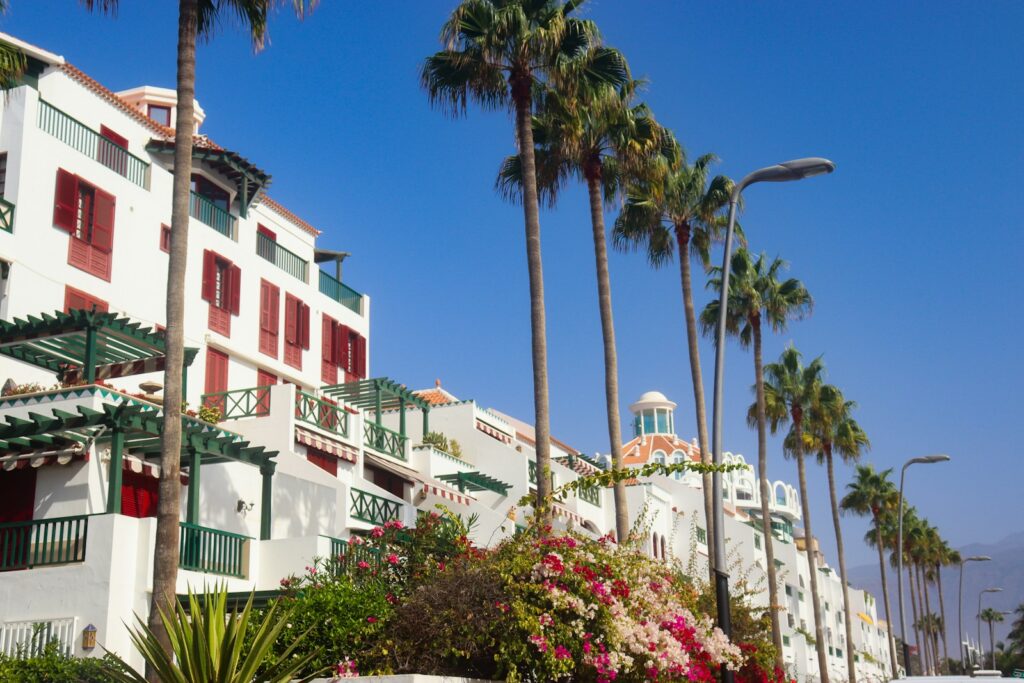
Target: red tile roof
<point x="167" y="133"/>
<point x="640" y="450"/>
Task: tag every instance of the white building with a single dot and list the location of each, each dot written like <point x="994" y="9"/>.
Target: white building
<point x="310" y="448"/>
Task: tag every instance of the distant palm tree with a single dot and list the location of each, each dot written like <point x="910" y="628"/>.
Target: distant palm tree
<point x="871" y="493"/>
<point x="680" y="208"/>
<point x="790" y="388"/>
<point x="497" y="53"/>
<point x="758" y="297"/>
<point x="595" y="133"/>
<point x="196" y="19"/>
<point x="947" y="557"/>
<point x="1016" y="635"/>
<point x="831" y="429"/>
<point x="991" y="616"/>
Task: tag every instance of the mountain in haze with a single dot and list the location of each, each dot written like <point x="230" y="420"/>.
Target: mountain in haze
<point x="1006" y="571"/>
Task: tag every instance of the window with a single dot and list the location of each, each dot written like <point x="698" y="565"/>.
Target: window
<point x="270" y="319"/>
<point x="678" y="458"/>
<point x="222" y="281"/>
<point x="330" y="350"/>
<point x="322" y="459"/>
<point x="789" y="590"/>
<point x="112" y="150"/>
<point x="17" y="496"/>
<point x="216" y="371"/>
<point x="159" y="113"/>
<point x="165" y="238"/>
<point x="77" y="299"/>
<point x="87" y="214"/>
<point x="659" y="457"/>
<point x="265" y="379"/>
<point x="296" y="330"/>
<point x="757" y="541"/>
<point x="353" y="353"/>
<point x="217" y="195"/>
<point x="662" y="421"/>
<point x="648" y="424"/>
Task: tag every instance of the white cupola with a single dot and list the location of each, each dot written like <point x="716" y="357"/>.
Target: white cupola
<point x="653" y="413"/>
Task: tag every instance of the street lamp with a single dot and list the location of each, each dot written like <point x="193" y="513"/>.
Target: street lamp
<point x="981" y="648"/>
<point x="798" y="169"/>
<point x="960" y="606"/>
<point x="925" y="460"/>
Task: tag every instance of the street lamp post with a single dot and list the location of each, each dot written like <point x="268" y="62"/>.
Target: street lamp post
<point x="926" y="460"/>
<point x="960" y="607"/>
<point x="981" y="648"/>
<point x="798" y="169"/>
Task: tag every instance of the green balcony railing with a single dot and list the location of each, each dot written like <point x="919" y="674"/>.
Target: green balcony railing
<point x="349" y="555"/>
<point x="238" y="403"/>
<point x="80" y="137"/>
<point x="42" y="542"/>
<point x="533" y="471"/>
<point x="287" y="261"/>
<point x="366" y="507"/>
<point x="341" y="292"/>
<point x="384" y="440"/>
<point x="205" y="211"/>
<point x="702" y="535"/>
<point x="212" y="551"/>
<point x="6" y="215"/>
<point x="590" y="494"/>
<point x="320" y="413"/>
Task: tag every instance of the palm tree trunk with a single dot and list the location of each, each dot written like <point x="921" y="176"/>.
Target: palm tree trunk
<point x="819" y="631"/>
<point x="840" y="550"/>
<point x="683" y="239"/>
<point x="885" y="596"/>
<point x="991" y="644"/>
<point x="611" y="362"/>
<point x="766" y="515"/>
<point x="538" y="325"/>
<point x="165" y="558"/>
<point x="942" y="616"/>
<point x="932" y="654"/>
<point x="914" y="626"/>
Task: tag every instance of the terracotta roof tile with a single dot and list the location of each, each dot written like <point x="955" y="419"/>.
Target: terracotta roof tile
<point x="280" y="210"/>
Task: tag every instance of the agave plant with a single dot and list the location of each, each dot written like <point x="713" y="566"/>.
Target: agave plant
<point x="211" y="644"/>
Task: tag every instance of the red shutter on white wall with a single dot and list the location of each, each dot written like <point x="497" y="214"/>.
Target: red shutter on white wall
<point x="344" y="333"/>
<point x="234" y="289"/>
<point x="361" y="356"/>
<point x="65" y="198"/>
<point x="209" y="276"/>
<point x="304" y="325"/>
<point x="328" y="334"/>
<point x="103" y="221"/>
<point x="291" y="322"/>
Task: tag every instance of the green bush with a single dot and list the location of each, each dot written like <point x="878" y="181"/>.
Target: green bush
<point x="53" y="666"/>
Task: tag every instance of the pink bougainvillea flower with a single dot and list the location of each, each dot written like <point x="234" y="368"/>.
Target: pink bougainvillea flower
<point x="363" y="564"/>
<point x="392" y="559"/>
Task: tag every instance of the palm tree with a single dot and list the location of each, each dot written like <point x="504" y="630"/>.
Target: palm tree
<point x="756" y="297"/>
<point x="680" y="208"/>
<point x="12" y="60"/>
<point x="991" y="616"/>
<point x="947" y="557"/>
<point x="871" y="493"/>
<point x="789" y="391"/>
<point x="196" y="19"/>
<point x="496" y="53"/>
<point x="597" y="135"/>
<point x="1016" y="635"/>
<point x="832" y="430"/>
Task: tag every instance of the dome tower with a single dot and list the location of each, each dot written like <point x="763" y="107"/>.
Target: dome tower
<point x="653" y="414"/>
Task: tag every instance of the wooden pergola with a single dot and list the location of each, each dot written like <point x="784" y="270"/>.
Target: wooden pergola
<point x="86" y="345"/>
<point x="131" y="427"/>
<point x="380" y="394"/>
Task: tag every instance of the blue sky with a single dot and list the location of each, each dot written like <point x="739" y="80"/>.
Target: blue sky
<point x="911" y="249"/>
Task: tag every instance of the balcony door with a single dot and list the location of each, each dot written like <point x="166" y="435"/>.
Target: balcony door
<point x="17" y="494"/>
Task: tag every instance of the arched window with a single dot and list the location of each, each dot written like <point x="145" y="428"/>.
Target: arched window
<point x="664" y="554"/>
<point x="678" y="457"/>
<point x="659" y="457"/>
<point x="654" y="545"/>
<point x="780" y="496"/>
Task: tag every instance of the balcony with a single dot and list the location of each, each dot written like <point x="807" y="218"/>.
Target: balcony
<point x="205" y="211"/>
<point x="6" y="215"/>
<point x="384" y="440"/>
<point x="43" y="542"/>
<point x="326" y="415"/>
<point x="372" y="509"/>
<point x="590" y="494"/>
<point x="80" y="137"/>
<point x="350" y="554"/>
<point x="239" y="403"/>
<point x="287" y="261"/>
<point x="212" y="551"/>
<point x="340" y="292"/>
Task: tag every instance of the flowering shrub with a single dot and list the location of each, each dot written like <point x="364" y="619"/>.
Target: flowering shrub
<point x="563" y="608"/>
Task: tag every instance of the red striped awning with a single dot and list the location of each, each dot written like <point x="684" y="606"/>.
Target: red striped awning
<point x="492" y="432"/>
<point x="335" y="448"/>
<point x="441" y="491"/>
<point x="19" y="461"/>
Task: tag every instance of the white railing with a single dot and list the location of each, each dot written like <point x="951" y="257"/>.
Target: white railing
<point x="28" y="638"/>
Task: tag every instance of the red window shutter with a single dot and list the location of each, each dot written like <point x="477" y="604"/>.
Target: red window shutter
<point x="265" y="305"/>
<point x="65" y="199"/>
<point x="209" y="276"/>
<point x="17" y="497"/>
<point x="165" y="238"/>
<point x="76" y="298"/>
<point x="304" y="326"/>
<point x="328" y="336"/>
<point x="103" y="221"/>
<point x="360" y="365"/>
<point x="322" y="459"/>
<point x="216" y="371"/>
<point x="275" y="305"/>
<point x="344" y="334"/>
<point x="291" y="319"/>
<point x="139" y="494"/>
<point x="234" y="288"/>
<point x="265" y="379"/>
